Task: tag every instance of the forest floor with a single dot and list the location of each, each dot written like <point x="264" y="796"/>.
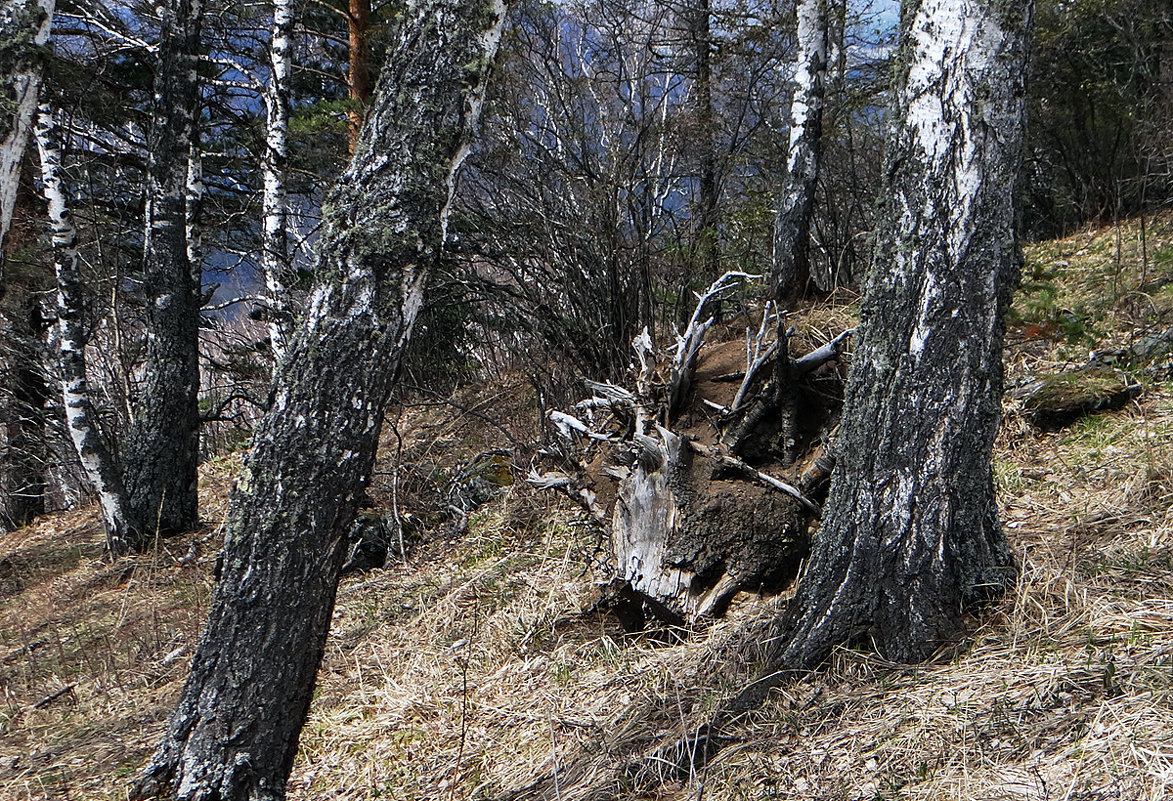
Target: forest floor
<point x="473" y="670"/>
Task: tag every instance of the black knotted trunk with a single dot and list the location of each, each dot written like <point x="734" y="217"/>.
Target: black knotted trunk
<point x="911" y="536"/>
<point x="234" y="732"/>
<point x="162" y="447"/>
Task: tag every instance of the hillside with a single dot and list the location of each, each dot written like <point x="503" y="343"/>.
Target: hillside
<point x="477" y="668"/>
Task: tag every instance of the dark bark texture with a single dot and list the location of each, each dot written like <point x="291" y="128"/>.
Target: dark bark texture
<point x="160" y="455"/>
<point x="911" y="536"/>
<point x="234" y="732"/>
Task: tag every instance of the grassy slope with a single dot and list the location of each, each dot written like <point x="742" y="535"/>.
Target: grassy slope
<point x="467" y="671"/>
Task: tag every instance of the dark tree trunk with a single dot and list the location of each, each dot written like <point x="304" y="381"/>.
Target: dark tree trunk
<point x="234" y="732"/>
<point x="162" y="446"/>
<point x="911" y="536"/>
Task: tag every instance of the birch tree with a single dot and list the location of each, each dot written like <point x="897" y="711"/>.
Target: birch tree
<point x="791" y="268"/>
<point x="275" y="203"/>
<point x="910" y="536"/>
<point x="24" y="27"/>
<point x="81" y="419"/>
<point x="234" y="732"/>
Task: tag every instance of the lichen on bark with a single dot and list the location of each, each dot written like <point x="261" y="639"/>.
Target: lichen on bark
<point x="234" y="731"/>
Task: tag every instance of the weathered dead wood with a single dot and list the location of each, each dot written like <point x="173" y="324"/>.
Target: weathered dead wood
<point x="757" y="354"/>
<point x="692" y="521"/>
<point x="1056" y="401"/>
<point x="688" y="344"/>
<point x="48" y="699"/>
<point x="558" y="480"/>
<point x="819" y="356"/>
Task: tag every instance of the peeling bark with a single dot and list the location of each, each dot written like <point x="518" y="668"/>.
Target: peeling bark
<point x="911" y="536"/>
<point x="234" y="732"/>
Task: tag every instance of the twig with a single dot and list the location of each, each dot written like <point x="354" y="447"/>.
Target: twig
<point x="755" y="356"/>
<point x="48" y="699"/>
<point x="776" y="483"/>
<point x="820" y="356"/>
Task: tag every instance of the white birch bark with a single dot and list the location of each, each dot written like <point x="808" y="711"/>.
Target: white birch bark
<point x="792" y="225"/>
<point x="911" y="537"/>
<point x="275" y="207"/>
<point x="193" y="207"/>
<point x="80" y="418"/>
<point x="24" y="26"/>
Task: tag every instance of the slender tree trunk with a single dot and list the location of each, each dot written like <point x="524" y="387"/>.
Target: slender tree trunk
<point x="161" y="451"/>
<point x="24" y="27"/>
<point x="80" y="418"/>
<point x="707" y="244"/>
<point x="275" y="231"/>
<point x="791" y="269"/>
<point x="24" y="393"/>
<point x="358" y="20"/>
<point x="234" y="732"/>
<point x="910" y="536"/>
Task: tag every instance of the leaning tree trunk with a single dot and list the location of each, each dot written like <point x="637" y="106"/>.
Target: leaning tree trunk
<point x="24" y="27"/>
<point x="911" y="536"/>
<point x="234" y="732"/>
<point x="791" y="268"/>
<point x="81" y="420"/>
<point x="160" y="455"/>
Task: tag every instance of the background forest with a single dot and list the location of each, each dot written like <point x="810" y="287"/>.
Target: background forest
<point x="626" y="177"/>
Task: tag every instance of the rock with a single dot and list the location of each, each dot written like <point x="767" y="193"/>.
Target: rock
<point x="370" y="539"/>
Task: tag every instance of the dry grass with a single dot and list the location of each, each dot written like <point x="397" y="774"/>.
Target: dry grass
<point x="92" y="653"/>
<point x="469" y="672"/>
